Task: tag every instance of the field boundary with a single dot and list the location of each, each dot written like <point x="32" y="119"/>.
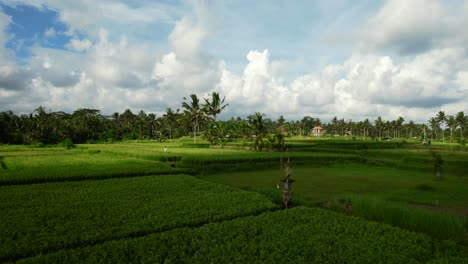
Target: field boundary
<point x="94" y="177"/>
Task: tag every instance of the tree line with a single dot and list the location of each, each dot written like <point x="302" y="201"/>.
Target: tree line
<point x="198" y="117"/>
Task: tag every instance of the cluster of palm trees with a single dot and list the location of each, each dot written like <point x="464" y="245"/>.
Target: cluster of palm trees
<point x="198" y="118"/>
<point x="441" y="122"/>
<point x="199" y="114"/>
<point x="89" y="125"/>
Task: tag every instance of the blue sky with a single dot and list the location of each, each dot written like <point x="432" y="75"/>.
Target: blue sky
<point x="353" y="59"/>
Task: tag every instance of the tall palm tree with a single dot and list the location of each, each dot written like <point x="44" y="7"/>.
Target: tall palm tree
<point x="441" y="119"/>
<point x="215" y="107"/>
<point x="366" y="124"/>
<point x="434" y="126"/>
<point x="379" y="123"/>
<point x="399" y="125"/>
<point x="259" y="129"/>
<point x="153" y="124"/>
<point x="411" y="127"/>
<point x="334" y="122"/>
<point x="452" y="123"/>
<point x="194" y="113"/>
<point x="462" y="120"/>
<point x="171" y="120"/>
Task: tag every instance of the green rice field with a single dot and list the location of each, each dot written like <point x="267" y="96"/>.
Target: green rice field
<point x="354" y="201"/>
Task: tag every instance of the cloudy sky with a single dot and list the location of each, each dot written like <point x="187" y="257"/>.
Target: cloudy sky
<point x="351" y="59"/>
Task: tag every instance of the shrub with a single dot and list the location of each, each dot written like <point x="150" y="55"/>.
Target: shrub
<point x="68" y="143"/>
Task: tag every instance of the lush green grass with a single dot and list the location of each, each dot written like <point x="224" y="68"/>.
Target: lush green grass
<point x="46" y="217"/>
<point x="299" y="235"/>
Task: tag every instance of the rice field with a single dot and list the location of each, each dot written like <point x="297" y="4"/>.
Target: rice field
<point x="145" y="201"/>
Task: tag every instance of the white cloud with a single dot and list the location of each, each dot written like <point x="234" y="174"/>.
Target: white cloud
<point x="5" y="54"/>
<point x="412" y="27"/>
<point x="362" y="86"/>
<point x="113" y="71"/>
<point x="50" y="32"/>
<point x="79" y="45"/>
<point x="188" y="68"/>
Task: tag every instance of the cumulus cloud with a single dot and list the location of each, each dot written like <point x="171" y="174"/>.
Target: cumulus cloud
<point x="79" y="45"/>
<point x="12" y="77"/>
<point x="188" y="68"/>
<point x="362" y="86"/>
<point x="50" y="32"/>
<point x="412" y="27"/>
<point x="4" y="37"/>
<point x="106" y="69"/>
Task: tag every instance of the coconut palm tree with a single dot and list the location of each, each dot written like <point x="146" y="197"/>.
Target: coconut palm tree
<point x="462" y="120"/>
<point x="258" y="128"/>
<point x="214" y="107"/>
<point x="441" y="119"/>
<point x="452" y="123"/>
<point x="399" y="125"/>
<point x="366" y="124"/>
<point x="194" y="112"/>
<point x="434" y="126"/>
<point x="171" y="119"/>
<point x="411" y="127"/>
<point x="379" y="123"/>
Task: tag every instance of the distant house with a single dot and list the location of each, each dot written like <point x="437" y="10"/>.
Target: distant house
<point x="317" y="131"/>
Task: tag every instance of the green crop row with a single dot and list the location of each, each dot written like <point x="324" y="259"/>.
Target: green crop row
<point x="65" y="165"/>
<point x="299" y="235"/>
<point x="40" y="218"/>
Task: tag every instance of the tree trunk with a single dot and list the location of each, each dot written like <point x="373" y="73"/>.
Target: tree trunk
<point x="194" y="134"/>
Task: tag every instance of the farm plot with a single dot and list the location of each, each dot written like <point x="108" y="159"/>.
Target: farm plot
<point x="41" y="218"/>
<point x="299" y="235"/>
<point x="410" y="199"/>
<point x="33" y="165"/>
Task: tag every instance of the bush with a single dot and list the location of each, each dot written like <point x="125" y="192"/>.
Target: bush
<point x="68" y="143"/>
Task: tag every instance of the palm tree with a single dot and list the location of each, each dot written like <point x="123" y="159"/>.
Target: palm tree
<point x="379" y="123"/>
<point x="194" y="113"/>
<point x="411" y="127"/>
<point x="434" y="126"/>
<point x="258" y="127"/>
<point x="452" y="123"/>
<point x="215" y="107"/>
<point x="366" y="125"/>
<point x="171" y="120"/>
<point x="441" y="119"/>
<point x="153" y="125"/>
<point x="461" y="121"/>
<point x="399" y="125"/>
<point x="334" y="125"/>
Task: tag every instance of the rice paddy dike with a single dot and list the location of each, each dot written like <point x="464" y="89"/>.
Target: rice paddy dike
<point x="354" y="201"/>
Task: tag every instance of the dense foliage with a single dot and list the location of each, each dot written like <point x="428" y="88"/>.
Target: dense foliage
<point x="299" y="235"/>
<point x="199" y="118"/>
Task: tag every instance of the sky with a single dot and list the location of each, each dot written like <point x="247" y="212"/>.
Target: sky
<point x="351" y="59"/>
